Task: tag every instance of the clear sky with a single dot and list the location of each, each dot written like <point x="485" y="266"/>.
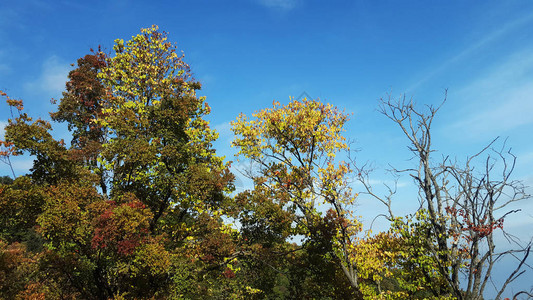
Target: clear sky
<point x="349" y="53"/>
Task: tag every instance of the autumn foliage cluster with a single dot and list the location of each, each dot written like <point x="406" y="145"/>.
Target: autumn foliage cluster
<point x="139" y="206"/>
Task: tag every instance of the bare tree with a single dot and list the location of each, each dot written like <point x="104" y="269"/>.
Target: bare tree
<point x="466" y="202"/>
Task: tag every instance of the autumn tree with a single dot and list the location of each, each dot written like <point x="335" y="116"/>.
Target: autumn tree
<point x="298" y="178"/>
<point x="137" y="116"/>
<point x="398" y="263"/>
<point x="138" y="196"/>
<point x="465" y="205"/>
<point x="80" y="106"/>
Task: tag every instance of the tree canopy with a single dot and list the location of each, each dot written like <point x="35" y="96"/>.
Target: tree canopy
<point x="138" y="205"/>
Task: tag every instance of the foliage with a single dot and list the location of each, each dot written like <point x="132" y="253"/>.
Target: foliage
<point x="15" y="269"/>
<point x="20" y="205"/>
<point x="139" y="191"/>
<point x="293" y="149"/>
<point x="139" y="206"/>
<point x="399" y="264"/>
<point x="463" y="206"/>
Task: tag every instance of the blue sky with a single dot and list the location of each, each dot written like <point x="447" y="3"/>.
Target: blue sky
<point x="349" y="53"/>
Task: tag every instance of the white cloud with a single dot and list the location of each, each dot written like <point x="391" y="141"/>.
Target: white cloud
<point x="526" y="158"/>
<point x="224" y="130"/>
<point x="207" y="80"/>
<point x="283" y="5"/>
<point x="242" y="182"/>
<point x="223" y="143"/>
<point x="22" y="164"/>
<point x="501" y="100"/>
<point x="2" y="131"/>
<point x="387" y="182"/>
<point x="53" y="77"/>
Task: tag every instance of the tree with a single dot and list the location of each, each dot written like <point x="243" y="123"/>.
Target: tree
<point x="138" y="195"/>
<point x="293" y="152"/>
<point x="398" y="264"/>
<point x="465" y="204"/>
<point x="16" y="267"/>
<point x="20" y="205"/>
<point x="140" y="111"/>
<point x="80" y="106"/>
<point x="6" y="180"/>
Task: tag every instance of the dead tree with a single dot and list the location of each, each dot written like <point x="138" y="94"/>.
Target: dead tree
<point x="467" y="202"/>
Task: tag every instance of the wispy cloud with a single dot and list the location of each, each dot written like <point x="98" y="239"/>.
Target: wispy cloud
<point x="239" y="170"/>
<point x="2" y="131"/>
<point x="526" y="158"/>
<point x="282" y="5"/>
<point x="22" y="165"/>
<point x="8" y="17"/>
<point x="224" y="130"/>
<point x="207" y="79"/>
<point x="53" y="77"/>
<point x="388" y="182"/>
<point x="502" y="99"/>
<point x="4" y="68"/>
<point x="471" y="49"/>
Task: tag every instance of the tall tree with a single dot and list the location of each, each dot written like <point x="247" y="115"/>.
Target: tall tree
<point x="466" y="204"/>
<point x="139" y="194"/>
<point x="137" y="116"/>
<point x="80" y="106"/>
<point x="293" y="152"/>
